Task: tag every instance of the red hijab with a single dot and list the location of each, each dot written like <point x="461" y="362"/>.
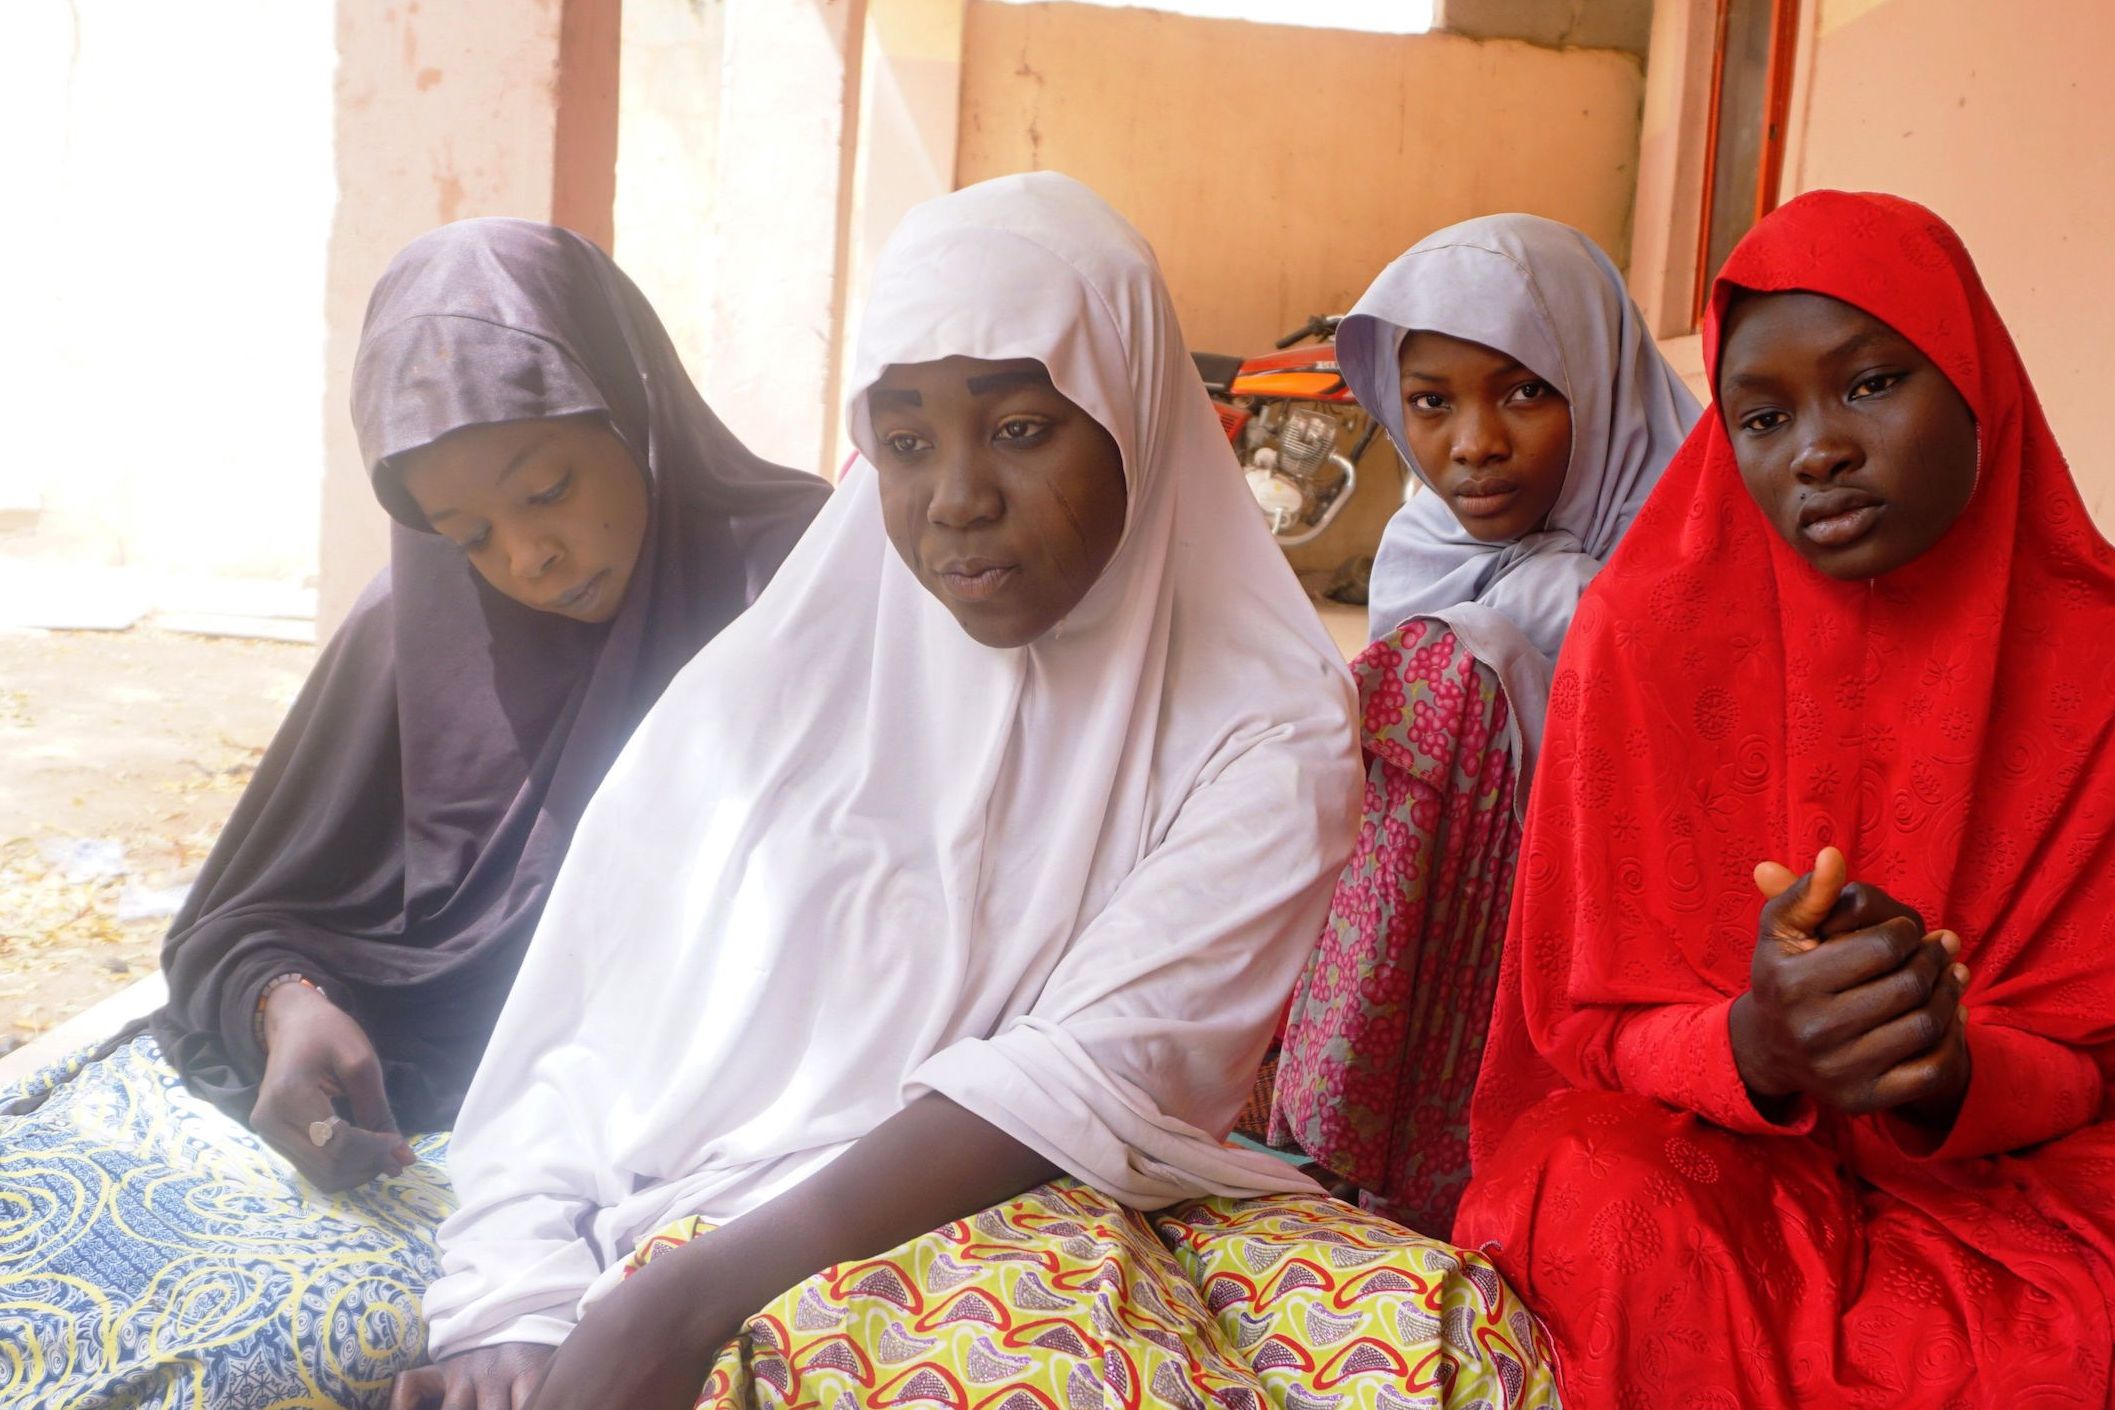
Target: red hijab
<point x="1720" y="703"/>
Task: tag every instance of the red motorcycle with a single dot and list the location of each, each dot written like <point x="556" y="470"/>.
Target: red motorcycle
<point x="1295" y="427"/>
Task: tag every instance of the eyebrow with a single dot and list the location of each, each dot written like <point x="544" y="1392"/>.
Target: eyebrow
<point x="1511" y="366"/>
<point x="995" y="381"/>
<point x="1856" y="343"/>
<point x="521" y="458"/>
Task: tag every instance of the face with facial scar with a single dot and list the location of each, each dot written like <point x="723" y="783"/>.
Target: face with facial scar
<point x="1003" y="497"/>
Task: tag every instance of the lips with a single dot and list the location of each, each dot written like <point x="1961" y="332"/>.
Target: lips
<point x="975" y="579"/>
<point x="1839" y="518"/>
<point x="582" y="597"/>
<point x="1484" y="497"/>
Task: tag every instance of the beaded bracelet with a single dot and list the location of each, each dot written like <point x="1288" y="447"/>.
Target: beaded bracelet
<point x="270" y="985"/>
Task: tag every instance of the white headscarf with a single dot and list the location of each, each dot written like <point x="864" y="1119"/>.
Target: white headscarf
<point x="853" y="856"/>
<point x="1543" y="294"/>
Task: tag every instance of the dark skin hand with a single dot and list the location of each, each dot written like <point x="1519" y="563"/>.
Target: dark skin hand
<point x="1851" y="1001"/>
<point x="496" y="1378"/>
<point x="315" y="1055"/>
<point x="650" y="1343"/>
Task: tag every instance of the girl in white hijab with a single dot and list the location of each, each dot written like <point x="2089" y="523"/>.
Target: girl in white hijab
<point x="997" y="870"/>
<point x="1518" y="381"/>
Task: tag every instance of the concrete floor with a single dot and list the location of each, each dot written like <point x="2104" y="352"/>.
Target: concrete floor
<point x="1347" y="626"/>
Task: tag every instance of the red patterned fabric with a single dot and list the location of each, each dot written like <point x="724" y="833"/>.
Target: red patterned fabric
<point x="1387" y="1025"/>
<point x="1720" y="703"/>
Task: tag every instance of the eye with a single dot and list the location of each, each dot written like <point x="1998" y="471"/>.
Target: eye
<point x="902" y="443"/>
<point x="1758" y="423"/>
<point x="1431" y="403"/>
<point x="477" y="541"/>
<point x="1531" y="392"/>
<point x="1021" y="430"/>
<point x="555" y="493"/>
<point x="1874" y="383"/>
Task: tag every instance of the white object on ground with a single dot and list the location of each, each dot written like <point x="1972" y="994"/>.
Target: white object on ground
<point x="85" y="858"/>
<point x="138" y="902"/>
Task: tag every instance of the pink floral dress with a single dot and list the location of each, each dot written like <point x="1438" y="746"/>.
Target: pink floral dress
<point x="1387" y="1026"/>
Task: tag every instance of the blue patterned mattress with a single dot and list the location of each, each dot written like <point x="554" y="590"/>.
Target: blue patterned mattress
<point x="154" y="1253"/>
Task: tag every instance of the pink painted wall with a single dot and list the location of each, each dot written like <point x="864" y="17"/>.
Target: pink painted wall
<point x="1998" y="119"/>
<point x="1275" y="168"/>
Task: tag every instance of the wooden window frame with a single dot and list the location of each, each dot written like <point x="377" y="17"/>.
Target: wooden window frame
<point x="1777" y="106"/>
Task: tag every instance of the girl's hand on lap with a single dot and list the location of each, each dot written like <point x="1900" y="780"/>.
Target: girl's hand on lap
<point x="315" y="1052"/>
<point x="490" y="1378"/>
<point x="649" y="1344"/>
<point x="1849" y="1000"/>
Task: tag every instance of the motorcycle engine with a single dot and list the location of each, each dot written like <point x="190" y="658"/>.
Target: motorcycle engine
<point x="1288" y="464"/>
<point x="1305" y="442"/>
<point x="1282" y="501"/>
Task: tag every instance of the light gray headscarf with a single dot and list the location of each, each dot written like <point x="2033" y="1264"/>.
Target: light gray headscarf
<point x="1544" y="294"/>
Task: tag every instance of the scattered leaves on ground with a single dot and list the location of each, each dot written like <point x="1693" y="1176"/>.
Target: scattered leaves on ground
<point x="55" y="923"/>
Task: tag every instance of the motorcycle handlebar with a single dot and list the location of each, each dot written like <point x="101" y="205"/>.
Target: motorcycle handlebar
<point x="1318" y="326"/>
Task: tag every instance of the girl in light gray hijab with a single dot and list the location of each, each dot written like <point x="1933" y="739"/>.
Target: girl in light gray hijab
<point x="1519" y="383"/>
<point x="1542" y="297"/>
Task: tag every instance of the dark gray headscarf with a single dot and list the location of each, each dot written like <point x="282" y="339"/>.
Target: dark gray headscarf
<point x="403" y="830"/>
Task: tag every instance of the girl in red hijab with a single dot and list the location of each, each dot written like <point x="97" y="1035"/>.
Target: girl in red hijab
<point x="1748" y="1139"/>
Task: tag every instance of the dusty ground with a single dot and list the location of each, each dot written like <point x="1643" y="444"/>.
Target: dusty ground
<point x="121" y="754"/>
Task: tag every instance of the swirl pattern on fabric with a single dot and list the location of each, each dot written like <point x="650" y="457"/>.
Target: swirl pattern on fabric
<point x="1063" y="1299"/>
<point x="155" y="1254"/>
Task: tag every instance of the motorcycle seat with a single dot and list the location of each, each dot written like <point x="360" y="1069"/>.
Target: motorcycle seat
<point x="1217" y="369"/>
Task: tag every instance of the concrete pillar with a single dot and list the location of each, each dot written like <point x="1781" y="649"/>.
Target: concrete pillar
<point x="776" y="247"/>
<point x="667" y="144"/>
<point x="910" y="111"/>
<point x="1671" y="152"/>
<point x="473" y="107"/>
<point x="767" y="148"/>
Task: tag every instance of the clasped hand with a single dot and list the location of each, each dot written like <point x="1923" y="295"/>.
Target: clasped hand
<point x="1851" y="1001"/>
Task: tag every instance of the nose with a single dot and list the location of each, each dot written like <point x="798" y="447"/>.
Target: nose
<point x="1826" y="452"/>
<point x="965" y="493"/>
<point x="1479" y="437"/>
<point x="531" y="555"/>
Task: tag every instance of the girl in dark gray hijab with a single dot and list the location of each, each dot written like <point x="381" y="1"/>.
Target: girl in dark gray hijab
<point x="573" y="524"/>
<point x="595" y="526"/>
